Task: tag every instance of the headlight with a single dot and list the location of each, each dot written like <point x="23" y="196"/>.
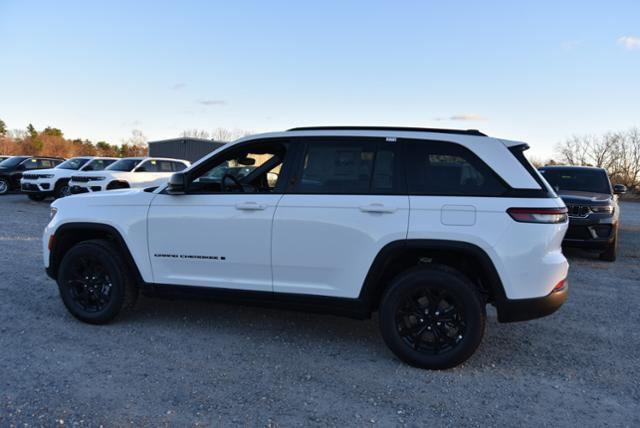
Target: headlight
<point x="602" y="209"/>
<point x="53" y="213"/>
<point x="47" y="176"/>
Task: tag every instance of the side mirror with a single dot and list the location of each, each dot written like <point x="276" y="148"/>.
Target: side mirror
<point x="619" y="189"/>
<point x="177" y="184"/>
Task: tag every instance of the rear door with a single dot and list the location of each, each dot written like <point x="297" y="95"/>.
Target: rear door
<point x="347" y="201"/>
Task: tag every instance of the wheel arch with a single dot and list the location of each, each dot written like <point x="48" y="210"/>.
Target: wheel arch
<point x="70" y="234"/>
<point x="398" y="256"/>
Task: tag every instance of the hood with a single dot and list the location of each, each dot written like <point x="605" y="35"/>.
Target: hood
<point x="584" y="198"/>
<point x="120" y="197"/>
<point x="41" y="171"/>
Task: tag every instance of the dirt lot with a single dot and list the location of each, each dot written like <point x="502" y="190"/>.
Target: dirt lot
<point x="187" y="363"/>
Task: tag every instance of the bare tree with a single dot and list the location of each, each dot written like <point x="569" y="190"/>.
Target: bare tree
<point x="226" y="135"/>
<point x="196" y="133"/>
<point x="617" y="152"/>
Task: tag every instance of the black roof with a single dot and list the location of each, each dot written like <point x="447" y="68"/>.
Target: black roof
<point x="390" y="128"/>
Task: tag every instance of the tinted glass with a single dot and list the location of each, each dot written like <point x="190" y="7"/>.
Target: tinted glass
<point x="438" y="168"/>
<point x="124" y="165"/>
<point x="338" y="167"/>
<point x="579" y="180"/>
<point x="178" y="166"/>
<point x="75" y="163"/>
<point x="46" y="163"/>
<point x="98" y="164"/>
<point x="12" y="161"/>
<point x="31" y="164"/>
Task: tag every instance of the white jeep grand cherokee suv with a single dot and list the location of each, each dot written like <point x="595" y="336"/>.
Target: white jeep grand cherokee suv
<point x="55" y="181"/>
<point x="424" y="226"/>
<point x="126" y="173"/>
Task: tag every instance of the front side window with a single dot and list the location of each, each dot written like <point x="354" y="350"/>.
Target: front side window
<point x="32" y="163"/>
<point x="149" y="166"/>
<point x="178" y="166"/>
<point x="449" y="169"/>
<point x="98" y="164"/>
<point x="124" y="165"/>
<point x="255" y="168"/>
<point x="73" y="164"/>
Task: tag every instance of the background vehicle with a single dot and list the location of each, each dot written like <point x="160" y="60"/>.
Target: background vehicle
<point x="126" y="173"/>
<point x="55" y="182"/>
<point x="593" y="207"/>
<point x="425" y="226"/>
<point x="11" y="169"/>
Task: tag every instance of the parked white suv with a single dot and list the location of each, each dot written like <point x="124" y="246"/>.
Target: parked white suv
<point x="424" y="226"/>
<point x="55" y="181"/>
<point x="126" y="173"/>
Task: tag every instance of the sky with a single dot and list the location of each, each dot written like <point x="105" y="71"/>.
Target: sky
<point x="538" y="71"/>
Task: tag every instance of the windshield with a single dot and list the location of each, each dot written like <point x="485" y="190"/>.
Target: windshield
<point x="124" y="165"/>
<point x="13" y="161"/>
<point x="577" y="180"/>
<point x="98" y="164"/>
<point x="75" y="163"/>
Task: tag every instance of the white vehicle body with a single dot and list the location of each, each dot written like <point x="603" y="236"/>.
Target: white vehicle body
<point x="143" y="173"/>
<point x="329" y="247"/>
<point x="46" y="182"/>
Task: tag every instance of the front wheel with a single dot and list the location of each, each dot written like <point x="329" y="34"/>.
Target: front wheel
<point x="610" y="254"/>
<point x="4" y="186"/>
<point x="62" y="190"/>
<point x="95" y="283"/>
<point x="432" y="317"/>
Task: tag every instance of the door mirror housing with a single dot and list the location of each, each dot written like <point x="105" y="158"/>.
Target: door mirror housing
<point x="177" y="184"/>
<point x="619" y="189"/>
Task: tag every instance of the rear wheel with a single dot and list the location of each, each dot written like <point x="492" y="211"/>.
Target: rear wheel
<point x="4" y="186"/>
<point x="432" y="317"/>
<point x="95" y="283"/>
<point x="36" y="197"/>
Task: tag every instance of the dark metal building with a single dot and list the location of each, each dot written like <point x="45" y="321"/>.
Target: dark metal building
<point x="190" y="149"/>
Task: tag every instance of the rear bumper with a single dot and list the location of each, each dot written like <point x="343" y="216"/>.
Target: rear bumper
<point x="511" y="310"/>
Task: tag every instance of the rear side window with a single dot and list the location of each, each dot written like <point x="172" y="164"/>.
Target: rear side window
<point x="347" y="167"/>
<point x="441" y="168"/>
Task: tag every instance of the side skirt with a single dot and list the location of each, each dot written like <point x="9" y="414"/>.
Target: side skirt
<point x="351" y="308"/>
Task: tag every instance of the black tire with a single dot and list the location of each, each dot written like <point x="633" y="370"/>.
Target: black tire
<point x="4" y="186"/>
<point x="453" y="323"/>
<point x="62" y="189"/>
<point x="36" y="197"/>
<point x="610" y="254"/>
<point x="97" y="298"/>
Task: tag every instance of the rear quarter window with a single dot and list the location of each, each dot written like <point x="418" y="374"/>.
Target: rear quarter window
<point x="449" y="169"/>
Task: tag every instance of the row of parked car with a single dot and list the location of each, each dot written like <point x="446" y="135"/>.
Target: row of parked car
<point x="41" y="177"/>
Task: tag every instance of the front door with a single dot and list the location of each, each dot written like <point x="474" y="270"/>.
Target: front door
<point x="218" y="234"/>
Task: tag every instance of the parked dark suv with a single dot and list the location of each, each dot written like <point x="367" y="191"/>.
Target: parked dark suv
<point x="11" y="169"/>
<point x="593" y="206"/>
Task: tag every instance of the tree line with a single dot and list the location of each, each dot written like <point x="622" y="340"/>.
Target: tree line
<point x="51" y="142"/>
<point x="617" y="152"/>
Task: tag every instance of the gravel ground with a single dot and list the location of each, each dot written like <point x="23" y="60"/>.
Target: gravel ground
<point x="197" y="363"/>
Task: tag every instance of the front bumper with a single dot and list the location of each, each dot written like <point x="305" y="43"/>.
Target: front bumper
<point x="511" y="310"/>
<point x="595" y="232"/>
<point x="88" y="187"/>
<point x="35" y="187"/>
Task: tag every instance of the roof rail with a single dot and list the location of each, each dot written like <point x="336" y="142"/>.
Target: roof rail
<point x="390" y="128"/>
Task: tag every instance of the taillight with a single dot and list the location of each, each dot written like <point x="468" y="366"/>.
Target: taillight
<point x="538" y="215"/>
<point x="560" y="285"/>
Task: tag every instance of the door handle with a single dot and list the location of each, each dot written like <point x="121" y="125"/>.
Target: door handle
<point x="250" y="206"/>
<point x="377" y="208"/>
